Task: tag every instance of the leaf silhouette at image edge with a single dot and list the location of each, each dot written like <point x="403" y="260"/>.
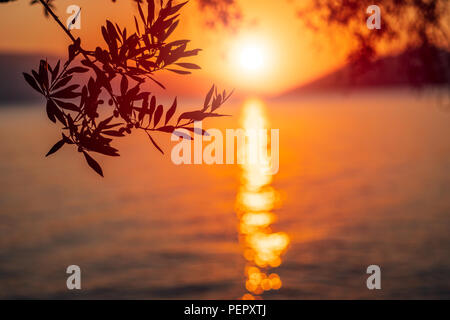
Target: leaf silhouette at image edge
<point x="32" y="82"/>
<point x="79" y="105"/>
<point x="93" y="164"/>
<point x="154" y="143"/>
<point x="171" y="111"/>
<point x="56" y="147"/>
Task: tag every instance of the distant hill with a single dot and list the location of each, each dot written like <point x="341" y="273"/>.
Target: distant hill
<point x="13" y="87"/>
<point x="412" y="68"/>
<point x="415" y="67"/>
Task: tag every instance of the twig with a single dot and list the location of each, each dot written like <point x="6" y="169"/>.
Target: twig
<point x="55" y="17"/>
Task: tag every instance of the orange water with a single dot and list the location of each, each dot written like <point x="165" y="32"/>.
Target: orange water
<point x="364" y="179"/>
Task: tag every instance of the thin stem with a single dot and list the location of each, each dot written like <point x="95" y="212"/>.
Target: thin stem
<point x="55" y="17"/>
<point x="86" y="56"/>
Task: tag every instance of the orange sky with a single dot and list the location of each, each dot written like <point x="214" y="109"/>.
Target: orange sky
<point x="292" y="54"/>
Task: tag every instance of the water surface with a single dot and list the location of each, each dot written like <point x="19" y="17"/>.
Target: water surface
<point x="364" y="179"/>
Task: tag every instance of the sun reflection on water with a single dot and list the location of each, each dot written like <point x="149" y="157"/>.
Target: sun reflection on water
<point x="255" y="202"/>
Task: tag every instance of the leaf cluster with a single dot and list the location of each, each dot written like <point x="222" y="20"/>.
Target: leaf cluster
<point x="111" y="102"/>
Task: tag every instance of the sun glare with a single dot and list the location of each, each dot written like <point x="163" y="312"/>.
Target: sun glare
<point x="252" y="58"/>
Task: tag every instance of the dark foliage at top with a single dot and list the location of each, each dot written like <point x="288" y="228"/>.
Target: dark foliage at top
<point x="90" y="121"/>
<point x="223" y="12"/>
<point x="421" y="23"/>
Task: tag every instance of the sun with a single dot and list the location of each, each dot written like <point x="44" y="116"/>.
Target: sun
<point x="251" y="58"/>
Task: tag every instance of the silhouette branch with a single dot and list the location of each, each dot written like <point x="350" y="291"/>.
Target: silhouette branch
<point x="131" y="58"/>
<point x="55" y="17"/>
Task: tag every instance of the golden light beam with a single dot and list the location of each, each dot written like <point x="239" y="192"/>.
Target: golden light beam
<point x="256" y="198"/>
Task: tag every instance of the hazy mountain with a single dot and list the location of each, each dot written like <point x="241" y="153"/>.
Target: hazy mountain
<point x="13" y="87"/>
<point x="416" y="67"/>
<point x="412" y="68"/>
